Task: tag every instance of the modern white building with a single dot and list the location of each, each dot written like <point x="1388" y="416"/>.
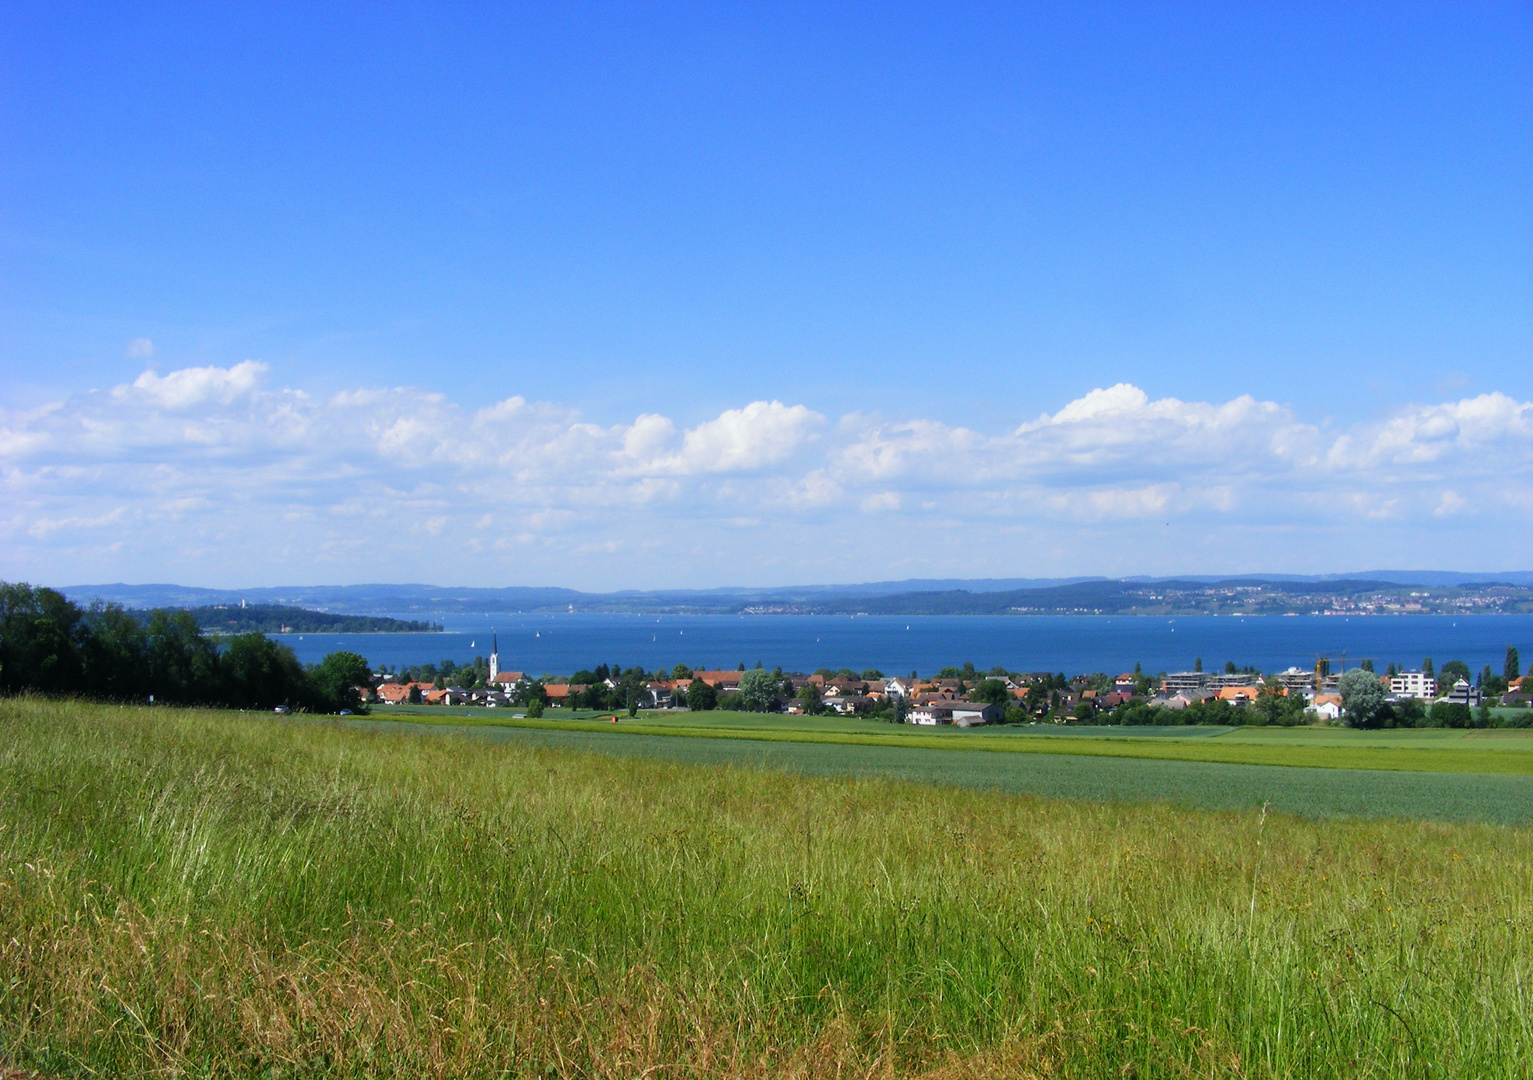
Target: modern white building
<point x="1414" y="684"/>
<point x="958" y="713"/>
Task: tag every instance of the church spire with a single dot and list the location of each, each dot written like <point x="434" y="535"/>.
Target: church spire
<point x="494" y="656"/>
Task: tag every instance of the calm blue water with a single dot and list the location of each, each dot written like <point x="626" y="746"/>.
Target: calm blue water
<point x="560" y="644"/>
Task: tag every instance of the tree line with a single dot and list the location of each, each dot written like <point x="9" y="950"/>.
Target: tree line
<point x="51" y="645"/>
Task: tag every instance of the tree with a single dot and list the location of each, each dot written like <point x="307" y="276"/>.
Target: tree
<point x="701" y="697"/>
<point x="809" y="698"/>
<point x="873" y="673"/>
<point x="535" y="708"/>
<point x="1197" y="665"/>
<point x="1362" y="698"/>
<point x="40" y="637"/>
<point x="991" y="692"/>
<point x="681" y="671"/>
<point x="1276" y="709"/>
<point x="1409" y="713"/>
<point x="182" y="664"/>
<point x="261" y="674"/>
<point x="1512" y="669"/>
<point x="758" y="689"/>
<point x="1452" y="672"/>
<point x="1229" y="667"/>
<point x="114" y="655"/>
<point x="1426" y="666"/>
<point x="335" y="680"/>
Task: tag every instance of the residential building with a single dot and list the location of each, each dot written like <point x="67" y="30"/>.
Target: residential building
<point x="725" y="682"/>
<point x="958" y="713"/>
<point x="1183" y="698"/>
<point x="1462" y="694"/>
<point x="1182" y="680"/>
<point x="1327" y="705"/>
<point x="1296" y="680"/>
<point x="1414" y="684"/>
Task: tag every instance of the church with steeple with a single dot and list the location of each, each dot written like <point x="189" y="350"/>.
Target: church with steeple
<point x="505" y="679"/>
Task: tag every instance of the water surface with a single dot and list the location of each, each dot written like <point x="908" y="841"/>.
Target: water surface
<point x="560" y="644"/>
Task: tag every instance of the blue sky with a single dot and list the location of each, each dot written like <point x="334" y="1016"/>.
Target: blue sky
<point x="662" y="295"/>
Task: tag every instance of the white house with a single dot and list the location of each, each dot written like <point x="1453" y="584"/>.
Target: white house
<point x="958" y="713"/>
<point x="1414" y="684"/>
<point x="1326" y="705"/>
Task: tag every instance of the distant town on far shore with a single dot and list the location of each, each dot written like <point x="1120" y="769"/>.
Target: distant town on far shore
<point x="1371" y="593"/>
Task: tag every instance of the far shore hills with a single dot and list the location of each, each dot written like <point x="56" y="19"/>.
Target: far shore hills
<point x="386" y="608"/>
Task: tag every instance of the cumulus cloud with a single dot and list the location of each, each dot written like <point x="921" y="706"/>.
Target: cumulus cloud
<point x="210" y="459"/>
<point x="193" y="387"/>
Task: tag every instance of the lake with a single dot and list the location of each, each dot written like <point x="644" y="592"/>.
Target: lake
<point x="562" y="643"/>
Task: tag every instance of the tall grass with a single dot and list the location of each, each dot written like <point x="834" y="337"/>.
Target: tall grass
<point x="199" y="893"/>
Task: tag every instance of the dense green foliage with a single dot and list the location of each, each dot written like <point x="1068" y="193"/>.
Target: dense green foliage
<point x="186" y="893"/>
<point x="282" y="619"/>
<point x="50" y="645"/>
<point x="701" y="696"/>
<point x="758" y="690"/>
<point x="1362" y="698"/>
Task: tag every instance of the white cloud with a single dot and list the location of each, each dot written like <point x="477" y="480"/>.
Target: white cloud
<point x="193" y="387"/>
<point x="763" y="433"/>
<point x="139" y="349"/>
<point x="209" y="463"/>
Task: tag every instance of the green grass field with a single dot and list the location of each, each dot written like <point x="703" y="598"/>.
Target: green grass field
<point x="1309" y="792"/>
<point x="1407" y="750"/>
<point x="188" y="893"/>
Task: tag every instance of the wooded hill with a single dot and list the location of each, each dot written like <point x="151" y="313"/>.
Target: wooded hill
<point x="281" y="619"/>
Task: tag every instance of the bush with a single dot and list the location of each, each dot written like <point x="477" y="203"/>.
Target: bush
<point x="1452" y="715"/>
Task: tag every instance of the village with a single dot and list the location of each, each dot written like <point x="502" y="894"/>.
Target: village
<point x="960" y="697"/>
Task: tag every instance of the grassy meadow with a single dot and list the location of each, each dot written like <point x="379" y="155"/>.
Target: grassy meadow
<point x="197" y="893"/>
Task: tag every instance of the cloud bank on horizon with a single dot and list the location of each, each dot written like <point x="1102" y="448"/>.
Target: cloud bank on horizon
<point x="210" y="475"/>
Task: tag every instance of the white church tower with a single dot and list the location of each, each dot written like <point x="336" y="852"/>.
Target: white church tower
<point x="494" y="657"/>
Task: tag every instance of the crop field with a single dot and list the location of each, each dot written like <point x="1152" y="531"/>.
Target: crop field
<point x="189" y="893"/>
<point x="1309" y="792"/>
<point x="1408" y="750"/>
